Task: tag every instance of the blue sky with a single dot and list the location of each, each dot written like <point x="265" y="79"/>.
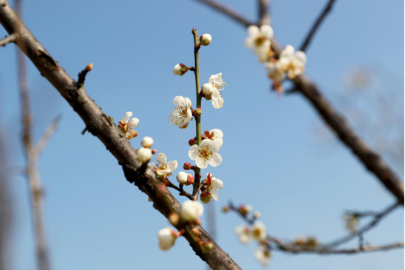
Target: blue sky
<point x="272" y="159"/>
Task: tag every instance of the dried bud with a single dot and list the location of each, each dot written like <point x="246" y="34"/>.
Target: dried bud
<point x="174" y="219"/>
<point x="198" y="111"/>
<point x="187" y="166"/>
<point x="205" y="197"/>
<point x="180" y="69"/>
<point x="207" y="89"/>
<point x="144" y="154"/>
<point x="147" y="142"/>
<point x="205" y="39"/>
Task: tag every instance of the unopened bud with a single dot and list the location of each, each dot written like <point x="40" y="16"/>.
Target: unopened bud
<point x="190" y="180"/>
<point x="192" y="142"/>
<point x="208" y="245"/>
<point x="207" y="133"/>
<point x="144" y="154"/>
<point x="205" y="197"/>
<point x="180" y="69"/>
<point x="187" y="166"/>
<point x="196" y="231"/>
<point x="182" y="178"/>
<point x="205" y="39"/>
<point x="174" y="219"/>
<point x="207" y="89"/>
<point x="256" y="214"/>
<point x="154" y="151"/>
<point x="147" y="142"/>
<point x="198" y="111"/>
<point x="89" y="67"/>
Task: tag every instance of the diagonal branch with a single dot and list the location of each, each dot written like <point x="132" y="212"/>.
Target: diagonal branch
<point x="316" y="25"/>
<point x="39" y="148"/>
<point x="370" y="159"/>
<point x="109" y="134"/>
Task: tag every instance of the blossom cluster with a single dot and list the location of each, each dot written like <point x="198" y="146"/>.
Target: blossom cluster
<point x="289" y="64"/>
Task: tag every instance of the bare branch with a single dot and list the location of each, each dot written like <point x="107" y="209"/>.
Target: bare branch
<point x="8" y="39"/>
<point x="227" y="11"/>
<point x="264" y="17"/>
<point x="110" y="135"/>
<point x="316" y="25"/>
<point x="378" y="217"/>
<point x="39" y="148"/>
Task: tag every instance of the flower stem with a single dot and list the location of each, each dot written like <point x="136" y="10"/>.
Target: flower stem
<point x="197" y="175"/>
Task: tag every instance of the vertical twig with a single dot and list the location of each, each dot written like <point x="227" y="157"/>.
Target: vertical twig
<point x="264" y="17"/>
<point x="32" y="162"/>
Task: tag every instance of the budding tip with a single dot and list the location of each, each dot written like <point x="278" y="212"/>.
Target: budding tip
<point x="89" y="67"/>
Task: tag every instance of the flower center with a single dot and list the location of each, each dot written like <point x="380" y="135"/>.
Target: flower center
<point x="260" y="40"/>
<point x="205" y="153"/>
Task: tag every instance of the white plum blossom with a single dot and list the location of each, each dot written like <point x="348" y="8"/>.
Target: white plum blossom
<point x="259" y="231"/>
<point x="205" y="153"/>
<point x="262" y="254"/>
<point x="292" y="62"/>
<point x="182" y="177"/>
<point x="163" y="167"/>
<point x="127" y="126"/>
<point x="166" y="238"/>
<point x="144" y="154"/>
<point x="217" y="136"/>
<point x="182" y="114"/>
<point x="205" y="39"/>
<point x="213" y="184"/>
<point x="217" y="85"/>
<point x="276" y="71"/>
<point x="243" y="233"/>
<point x="147" y="142"/>
<point x="259" y="41"/>
<point x="180" y="69"/>
<point x="191" y="210"/>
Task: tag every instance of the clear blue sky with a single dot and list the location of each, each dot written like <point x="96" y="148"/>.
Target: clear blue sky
<point x="271" y="157"/>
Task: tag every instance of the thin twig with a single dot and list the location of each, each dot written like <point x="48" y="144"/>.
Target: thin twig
<point x="364" y="229"/>
<point x="8" y="39"/>
<point x="316" y="25"/>
<point x="39" y="148"/>
<point x="264" y="17"/>
<point x="181" y="190"/>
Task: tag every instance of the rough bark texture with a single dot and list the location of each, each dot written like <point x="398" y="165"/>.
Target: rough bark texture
<point x="99" y="125"/>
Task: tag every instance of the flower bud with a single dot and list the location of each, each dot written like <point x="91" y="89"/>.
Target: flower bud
<point x="190" y="180"/>
<point x="193" y="141"/>
<point x="89" y="67"/>
<point x="256" y="215"/>
<point x="154" y="151"/>
<point x="225" y="209"/>
<point x="144" y="154"/>
<point x="198" y="111"/>
<point x="166" y="238"/>
<point x="196" y="231"/>
<point x="191" y="210"/>
<point x="187" y="166"/>
<point x="207" y="134"/>
<point x="182" y="177"/>
<point x="180" y="69"/>
<point x="174" y="219"/>
<point x="207" y="89"/>
<point x="147" y="142"/>
<point x="205" y="39"/>
<point x="205" y="197"/>
<point x="208" y="245"/>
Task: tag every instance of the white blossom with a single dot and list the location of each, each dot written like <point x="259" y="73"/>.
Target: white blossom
<point x="166" y="238"/>
<point x="127" y="125"/>
<point x="217" y="136"/>
<point x="147" y="142"/>
<point x="191" y="210"/>
<point x="217" y="85"/>
<point x="259" y="41"/>
<point x="262" y="254"/>
<point x="213" y="184"/>
<point x="275" y="71"/>
<point x="259" y="231"/>
<point x="243" y="233"/>
<point x="182" y="114"/>
<point x="205" y="39"/>
<point x="144" y="154"/>
<point x="205" y="153"/>
<point x="207" y="89"/>
<point x="292" y="62"/>
<point x="163" y="167"/>
<point x="182" y="177"/>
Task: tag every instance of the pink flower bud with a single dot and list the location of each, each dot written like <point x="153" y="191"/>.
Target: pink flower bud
<point x="205" y="197"/>
<point x="198" y="111"/>
<point x="187" y="166"/>
<point x="190" y="180"/>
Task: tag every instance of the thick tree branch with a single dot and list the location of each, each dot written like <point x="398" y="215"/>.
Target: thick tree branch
<point x="109" y="134"/>
<point x="371" y="160"/>
<point x="8" y="39"/>
<point x="316" y="25"/>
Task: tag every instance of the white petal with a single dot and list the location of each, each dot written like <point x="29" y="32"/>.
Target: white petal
<point x="206" y="142"/>
<point x="249" y="42"/>
<point x="193" y="152"/>
<point x="244" y="238"/>
<point x="301" y="57"/>
<point x="178" y="101"/>
<point x="288" y="50"/>
<point x="217" y="133"/>
<point x="161" y="158"/>
<point x="253" y="30"/>
<point x="212" y="78"/>
<point x="187" y="101"/>
<point x="172" y="165"/>
<point x="240" y="229"/>
<point x="163" y="172"/>
<point x="220" y="142"/>
<point x="218" y="184"/>
<point x="127" y="116"/>
<point x="134" y="122"/>
<point x="217" y="100"/>
<point x="201" y="162"/>
<point x="214" y="195"/>
<point x="216" y="160"/>
<point x="212" y="146"/>
<point x="267" y="31"/>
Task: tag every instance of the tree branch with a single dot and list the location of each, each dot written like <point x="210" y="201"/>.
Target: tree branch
<point x="8" y="39"/>
<point x="40" y="146"/>
<point x="143" y="177"/>
<point x="264" y="17"/>
<point x="316" y="25"/>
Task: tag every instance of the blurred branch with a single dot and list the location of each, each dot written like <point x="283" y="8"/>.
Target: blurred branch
<point x="370" y="159"/>
<point x="144" y="177"/>
<point x="47" y="135"/>
<point x="264" y="17"/>
<point x="31" y="156"/>
<point x="8" y="39"/>
<point x="316" y="25"/>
